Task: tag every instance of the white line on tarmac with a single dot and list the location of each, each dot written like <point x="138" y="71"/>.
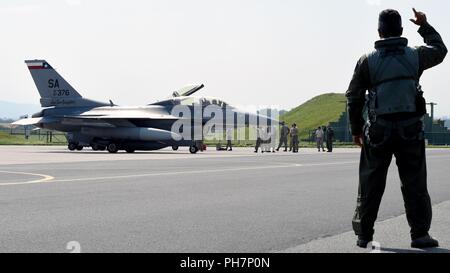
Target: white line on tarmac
<point x="45" y="178"/>
<point x="202" y="171"/>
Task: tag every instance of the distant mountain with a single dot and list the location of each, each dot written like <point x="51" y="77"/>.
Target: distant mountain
<point x="12" y="110"/>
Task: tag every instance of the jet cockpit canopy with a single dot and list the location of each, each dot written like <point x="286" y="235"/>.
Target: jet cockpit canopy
<point x="187" y="90"/>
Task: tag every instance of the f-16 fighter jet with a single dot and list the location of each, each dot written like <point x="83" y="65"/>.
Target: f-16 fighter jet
<point x="174" y="122"/>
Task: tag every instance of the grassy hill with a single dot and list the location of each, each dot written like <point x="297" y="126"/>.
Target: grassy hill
<point x="320" y="110"/>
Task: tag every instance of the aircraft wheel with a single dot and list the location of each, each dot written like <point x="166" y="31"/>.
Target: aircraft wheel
<point x="175" y="147"/>
<point x="72" y="146"/>
<point x="130" y="151"/>
<point x="102" y="148"/>
<point x="95" y="147"/>
<point x="112" y="148"/>
<point x="193" y="149"/>
<point x="79" y="148"/>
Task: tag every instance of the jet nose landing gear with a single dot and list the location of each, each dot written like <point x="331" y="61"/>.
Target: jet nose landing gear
<point x="193" y="149"/>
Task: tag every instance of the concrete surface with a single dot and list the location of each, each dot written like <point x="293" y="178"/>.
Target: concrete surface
<point x="391" y="237"/>
<point x="167" y="201"/>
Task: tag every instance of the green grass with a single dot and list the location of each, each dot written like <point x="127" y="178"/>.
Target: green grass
<point x="318" y="111"/>
<point x="8" y="139"/>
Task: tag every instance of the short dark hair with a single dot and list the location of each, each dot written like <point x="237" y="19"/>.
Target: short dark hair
<point x="390" y="23"/>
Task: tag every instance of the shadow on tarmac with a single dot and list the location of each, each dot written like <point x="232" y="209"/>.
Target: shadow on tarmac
<point x="429" y="250"/>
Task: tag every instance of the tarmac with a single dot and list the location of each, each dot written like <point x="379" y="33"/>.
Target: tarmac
<point x="167" y="201"/>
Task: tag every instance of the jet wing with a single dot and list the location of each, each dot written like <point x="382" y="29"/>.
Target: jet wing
<point x="114" y="120"/>
<point x="126" y="116"/>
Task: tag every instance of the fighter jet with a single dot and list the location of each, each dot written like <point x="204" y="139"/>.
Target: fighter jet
<point x="107" y="126"/>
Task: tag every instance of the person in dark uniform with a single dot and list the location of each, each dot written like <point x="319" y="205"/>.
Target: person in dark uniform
<point x="284" y="134"/>
<point x="291" y="139"/>
<point x="330" y="138"/>
<point x="395" y="108"/>
<point x="294" y="136"/>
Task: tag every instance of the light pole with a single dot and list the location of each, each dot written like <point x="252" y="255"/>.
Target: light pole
<point x="432" y="104"/>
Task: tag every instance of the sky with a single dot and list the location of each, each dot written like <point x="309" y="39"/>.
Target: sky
<point x="247" y="52"/>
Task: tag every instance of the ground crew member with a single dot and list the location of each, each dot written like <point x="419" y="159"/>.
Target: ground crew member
<point x="272" y="136"/>
<point x="294" y="137"/>
<point x="284" y="134"/>
<point x="229" y="139"/>
<point x="291" y="142"/>
<point x="319" y="138"/>
<point x="395" y="107"/>
<point x="330" y="138"/>
<point x="259" y="135"/>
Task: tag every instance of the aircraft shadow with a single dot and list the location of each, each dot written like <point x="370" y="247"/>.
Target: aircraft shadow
<point x="119" y="153"/>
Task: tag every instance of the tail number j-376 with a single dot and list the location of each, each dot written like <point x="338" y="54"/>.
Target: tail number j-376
<point x="53" y="83"/>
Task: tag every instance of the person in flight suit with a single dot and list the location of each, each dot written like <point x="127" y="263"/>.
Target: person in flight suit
<point x="294" y="136"/>
<point x="284" y="134"/>
<point x="319" y="134"/>
<point x="330" y="137"/>
<point x="229" y="135"/>
<point x="395" y="108"/>
<point x="259" y="136"/>
<point x="291" y="140"/>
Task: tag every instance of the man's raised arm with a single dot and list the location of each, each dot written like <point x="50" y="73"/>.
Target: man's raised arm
<point x="435" y="50"/>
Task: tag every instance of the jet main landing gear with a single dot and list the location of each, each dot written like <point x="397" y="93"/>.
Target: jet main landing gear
<point x="74" y="146"/>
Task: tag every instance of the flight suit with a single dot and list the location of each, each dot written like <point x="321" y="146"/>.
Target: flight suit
<point x="295" y="141"/>
<point x="319" y="139"/>
<point x="330" y="137"/>
<point x="394" y="127"/>
<point x="284" y="133"/>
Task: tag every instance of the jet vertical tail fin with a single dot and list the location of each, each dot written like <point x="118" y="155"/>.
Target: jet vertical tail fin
<point x="54" y="89"/>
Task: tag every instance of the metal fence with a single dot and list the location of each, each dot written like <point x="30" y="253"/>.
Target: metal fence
<point x="31" y="133"/>
<point x="342" y="135"/>
<point x="438" y="138"/>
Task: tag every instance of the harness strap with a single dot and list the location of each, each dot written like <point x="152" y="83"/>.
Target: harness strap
<point x="401" y="123"/>
<point x="395" y="79"/>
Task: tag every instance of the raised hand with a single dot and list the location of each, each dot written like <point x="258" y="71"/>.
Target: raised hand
<point x="421" y="18"/>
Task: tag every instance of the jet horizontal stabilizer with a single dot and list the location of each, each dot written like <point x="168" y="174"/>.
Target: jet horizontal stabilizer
<point x="33" y="121"/>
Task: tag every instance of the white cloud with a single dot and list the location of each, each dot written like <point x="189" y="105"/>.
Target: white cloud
<point x="73" y="3"/>
<point x="20" y="9"/>
<point x="373" y="2"/>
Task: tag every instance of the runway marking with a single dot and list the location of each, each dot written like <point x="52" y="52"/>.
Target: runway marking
<point x="45" y="178"/>
<point x="201" y="171"/>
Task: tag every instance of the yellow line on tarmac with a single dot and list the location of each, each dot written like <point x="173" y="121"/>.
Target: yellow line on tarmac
<point x="44" y="178"/>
